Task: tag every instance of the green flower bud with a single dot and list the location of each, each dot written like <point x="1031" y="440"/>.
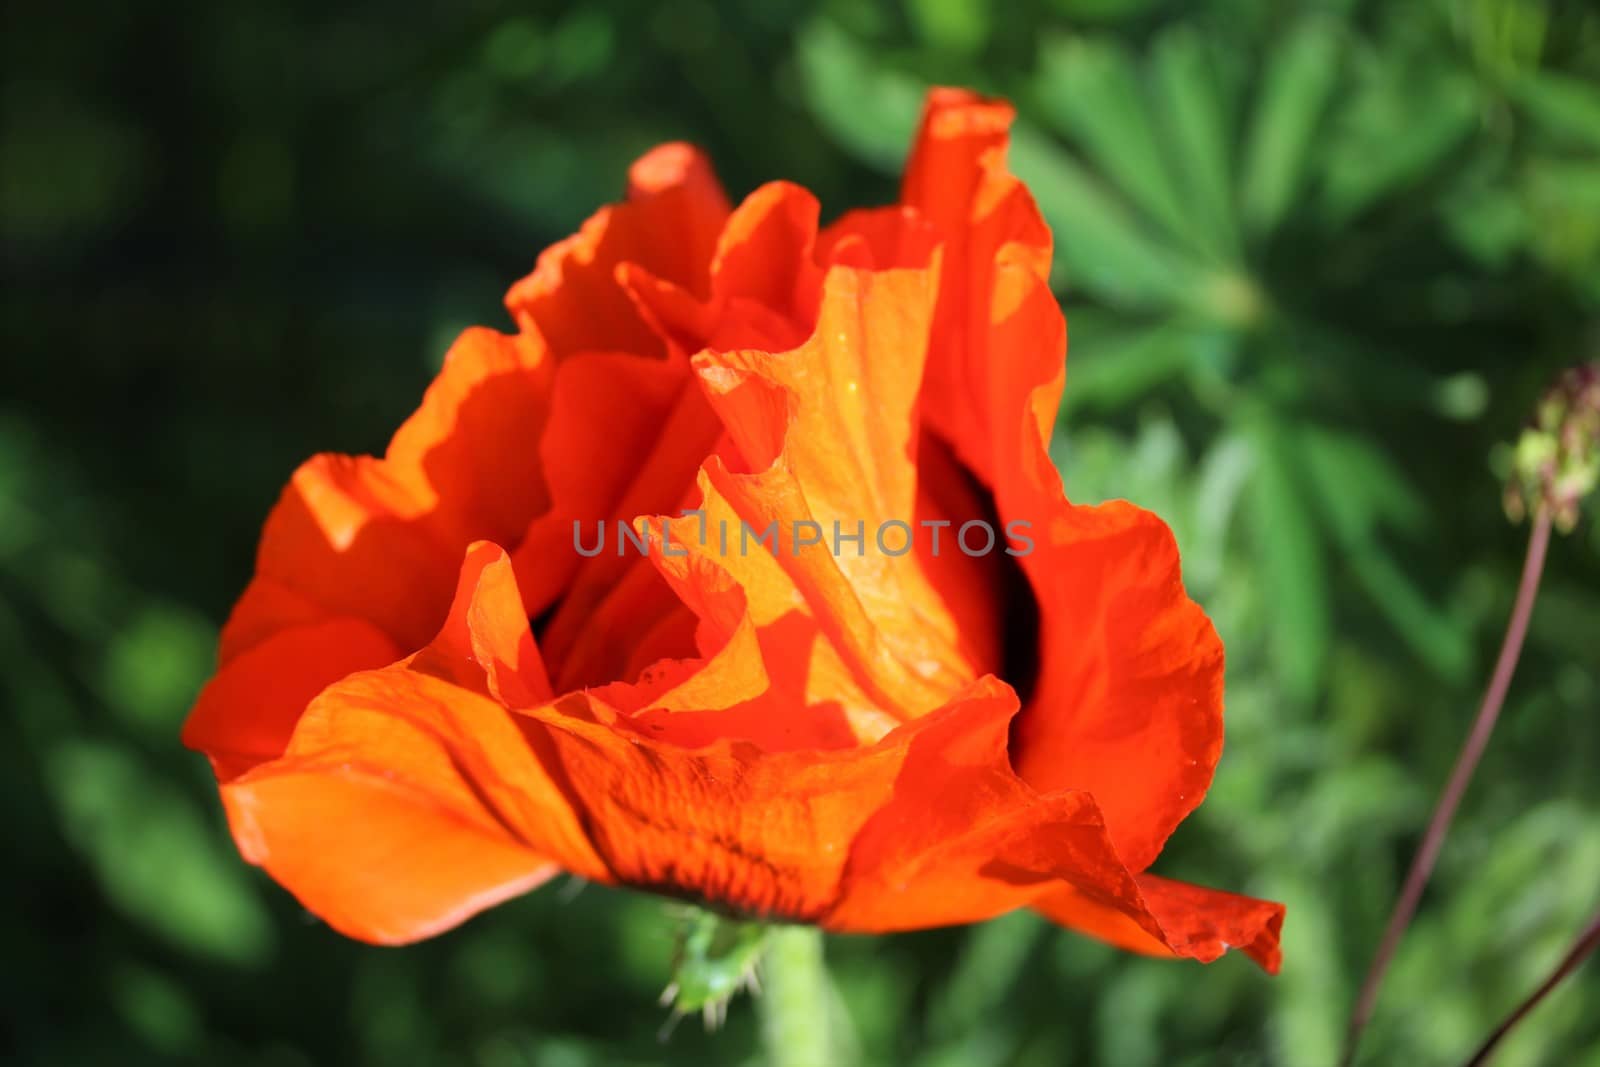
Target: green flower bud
<point x="716" y="959"/>
<point x="1556" y="462"/>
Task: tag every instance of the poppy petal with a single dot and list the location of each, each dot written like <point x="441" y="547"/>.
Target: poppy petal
<point x="607" y="415"/>
<point x="962" y="839"/>
<point x="996" y="247"/>
<point x="409" y="798"/>
<point x="760" y="833"/>
<point x="802" y="664"/>
<point x="486" y="644"/>
<point x="246" y="713"/>
<point x="668" y="225"/>
<point x="1128" y="701"/>
<point x="380" y="539"/>
<point x="377" y="859"/>
<point x="1195" y="922"/>
<point x="829" y="430"/>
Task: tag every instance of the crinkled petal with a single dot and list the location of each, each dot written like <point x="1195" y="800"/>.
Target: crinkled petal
<point x="669" y="225"/>
<point x="829" y="432"/>
<point x="485" y="643"/>
<point x="359" y="557"/>
<point x="963" y="838"/>
<point x="246" y="713"/>
<point x="409" y="798"/>
<point x="608" y="411"/>
<point x="1128" y="701"/>
<point x="380" y="539"/>
<point x="996" y="245"/>
<point x="1192" y="921"/>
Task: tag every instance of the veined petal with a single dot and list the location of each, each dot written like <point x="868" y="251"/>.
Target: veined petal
<point x="410" y="798"/>
<point x="828" y="431"/>
<point x="485" y="644"/>
<point x="377" y="858"/>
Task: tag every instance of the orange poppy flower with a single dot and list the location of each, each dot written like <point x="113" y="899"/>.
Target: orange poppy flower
<point x="435" y="694"/>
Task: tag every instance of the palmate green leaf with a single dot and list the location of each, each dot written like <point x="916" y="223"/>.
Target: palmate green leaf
<point x="1433" y="633"/>
<point x="1399" y="128"/>
<point x="1092" y="90"/>
<point x="1360" y="490"/>
<point x="1219" y="485"/>
<point x="1291" y="555"/>
<point x="1109" y="369"/>
<point x="1297" y="85"/>
<point x="1100" y="248"/>
<point x="1563" y="108"/>
<point x="1196" y="122"/>
<point x="868" y="109"/>
<point x="1359" y="486"/>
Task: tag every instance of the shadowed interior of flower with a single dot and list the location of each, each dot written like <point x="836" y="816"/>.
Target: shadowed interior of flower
<point x="429" y="700"/>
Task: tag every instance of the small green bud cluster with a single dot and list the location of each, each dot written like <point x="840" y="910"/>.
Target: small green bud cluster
<point x="1556" y="461"/>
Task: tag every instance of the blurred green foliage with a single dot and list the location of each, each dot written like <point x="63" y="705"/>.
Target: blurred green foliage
<point x="1317" y="258"/>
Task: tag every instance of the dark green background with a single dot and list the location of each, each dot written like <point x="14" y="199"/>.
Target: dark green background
<point x="1318" y="260"/>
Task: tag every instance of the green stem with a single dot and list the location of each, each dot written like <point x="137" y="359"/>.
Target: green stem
<point x="795" y="999"/>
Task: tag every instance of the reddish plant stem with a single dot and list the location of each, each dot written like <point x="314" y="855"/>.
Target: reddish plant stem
<point x="1460" y="776"/>
<point x="1586" y="944"/>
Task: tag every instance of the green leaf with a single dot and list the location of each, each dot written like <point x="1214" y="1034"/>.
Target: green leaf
<point x="1563" y="196"/>
<point x="1358" y="485"/>
<point x="1359" y="489"/>
<point x="869" y="110"/>
<point x="1489" y="223"/>
<point x="1099" y="247"/>
<point x="1298" y="82"/>
<point x="1434" y="634"/>
<point x="1399" y="127"/>
<point x="1219" y="485"/>
<point x="1309" y="1022"/>
<point x="991" y="960"/>
<point x="1092" y="90"/>
<point x="1291" y="556"/>
<point x="1103" y="10"/>
<point x="1196" y="124"/>
<point x="155" y="664"/>
<point x="1109" y="372"/>
<point x="1562" y="107"/>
